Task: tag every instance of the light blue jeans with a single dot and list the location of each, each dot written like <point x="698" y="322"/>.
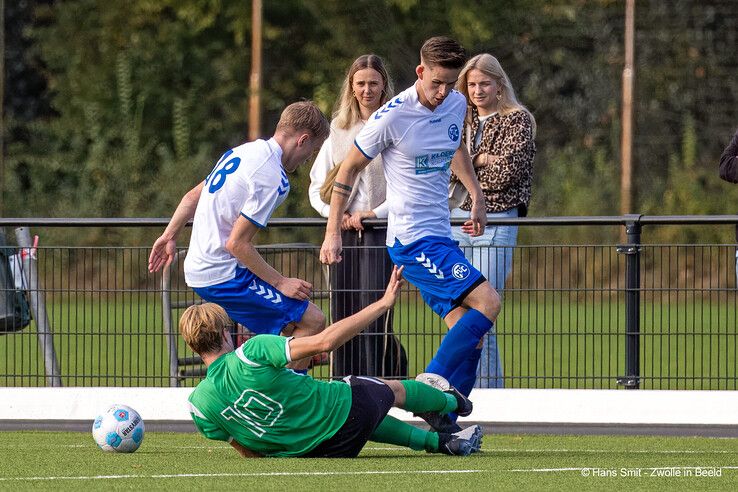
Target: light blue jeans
<point x="491" y="253"/>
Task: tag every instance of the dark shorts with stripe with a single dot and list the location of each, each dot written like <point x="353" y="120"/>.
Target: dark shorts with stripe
<point x="371" y="399"/>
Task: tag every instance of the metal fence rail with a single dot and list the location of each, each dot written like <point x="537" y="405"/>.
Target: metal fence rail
<point x="632" y="315"/>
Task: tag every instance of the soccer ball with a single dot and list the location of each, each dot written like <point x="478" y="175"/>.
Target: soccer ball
<point x="119" y="429"/>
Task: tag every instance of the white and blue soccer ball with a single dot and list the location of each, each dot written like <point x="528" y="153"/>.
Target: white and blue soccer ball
<point x="120" y="429"/>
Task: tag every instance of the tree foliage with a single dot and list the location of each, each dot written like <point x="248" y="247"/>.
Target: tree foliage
<point x="117" y="108"/>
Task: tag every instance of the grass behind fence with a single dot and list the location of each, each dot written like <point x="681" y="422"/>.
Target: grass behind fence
<point x="546" y="341"/>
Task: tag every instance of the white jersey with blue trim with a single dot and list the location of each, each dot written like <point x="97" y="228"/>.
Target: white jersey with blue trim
<point x="417" y="145"/>
<point x="248" y="180"/>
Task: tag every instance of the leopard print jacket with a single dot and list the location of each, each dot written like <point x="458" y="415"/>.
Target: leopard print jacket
<point x="506" y="180"/>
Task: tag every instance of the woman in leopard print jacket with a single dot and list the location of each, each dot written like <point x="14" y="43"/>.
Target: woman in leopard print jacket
<point x="499" y="133"/>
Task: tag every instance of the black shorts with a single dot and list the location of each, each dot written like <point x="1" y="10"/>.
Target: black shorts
<point x="371" y="399"/>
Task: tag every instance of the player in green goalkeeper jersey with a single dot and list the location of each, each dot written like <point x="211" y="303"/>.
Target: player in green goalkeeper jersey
<point x="251" y="400"/>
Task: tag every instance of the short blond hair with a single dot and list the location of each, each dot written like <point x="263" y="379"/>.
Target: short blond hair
<point x="202" y="327"/>
<point x="304" y="116"/>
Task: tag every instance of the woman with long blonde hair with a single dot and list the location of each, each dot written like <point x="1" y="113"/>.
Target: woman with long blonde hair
<point x="499" y="133"/>
<point x="365" y="266"/>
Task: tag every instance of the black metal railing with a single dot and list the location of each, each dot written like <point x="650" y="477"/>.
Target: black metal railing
<point x="624" y="314"/>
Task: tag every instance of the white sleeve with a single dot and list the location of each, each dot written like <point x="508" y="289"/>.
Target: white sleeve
<point x="381" y="210"/>
<point x="261" y="201"/>
<point x="323" y="163"/>
<point x="377" y="133"/>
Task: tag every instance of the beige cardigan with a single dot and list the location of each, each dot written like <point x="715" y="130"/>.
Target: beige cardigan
<point x="370" y="188"/>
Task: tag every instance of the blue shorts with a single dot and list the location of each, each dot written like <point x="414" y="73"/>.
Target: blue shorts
<point x="438" y="268"/>
<point x="255" y="304"/>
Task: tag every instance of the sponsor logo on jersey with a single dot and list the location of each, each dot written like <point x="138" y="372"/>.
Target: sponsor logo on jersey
<point x="432" y="163"/>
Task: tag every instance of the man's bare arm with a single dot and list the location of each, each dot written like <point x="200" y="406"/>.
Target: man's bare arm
<point x="162" y="252"/>
<point x="240" y="245"/>
<point x="342" y="331"/>
<point x="350" y="168"/>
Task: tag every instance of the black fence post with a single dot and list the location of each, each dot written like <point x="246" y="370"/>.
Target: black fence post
<point x="632" y="252"/>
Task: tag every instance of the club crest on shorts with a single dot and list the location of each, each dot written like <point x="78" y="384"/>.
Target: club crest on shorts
<point x="460" y="271"/>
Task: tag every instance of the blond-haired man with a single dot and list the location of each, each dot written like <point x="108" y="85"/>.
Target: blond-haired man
<point x="229" y="207"/>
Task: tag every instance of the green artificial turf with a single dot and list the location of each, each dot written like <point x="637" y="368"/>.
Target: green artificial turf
<point x="182" y="461"/>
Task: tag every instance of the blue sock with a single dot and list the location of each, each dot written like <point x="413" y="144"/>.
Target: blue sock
<point x="465" y="375"/>
<point x="459" y="343"/>
<point x="301" y="371"/>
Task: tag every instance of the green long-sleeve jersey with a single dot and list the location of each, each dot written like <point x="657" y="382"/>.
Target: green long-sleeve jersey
<point x="251" y="397"/>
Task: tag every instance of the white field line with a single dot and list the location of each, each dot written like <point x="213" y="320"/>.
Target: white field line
<point x="590" y="468"/>
<point x="584" y="451"/>
<point x="375" y="472"/>
<point x="494" y="450"/>
<point x="158" y="446"/>
<point x="235" y="475"/>
<point x="611" y="451"/>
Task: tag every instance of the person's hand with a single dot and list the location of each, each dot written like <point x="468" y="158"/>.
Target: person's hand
<point x="393" y="287"/>
<point x="355" y="221"/>
<point x="162" y="253"/>
<point x="482" y="159"/>
<point x="295" y="288"/>
<point x="477" y="219"/>
<point x="346" y="221"/>
<point x="330" y="252"/>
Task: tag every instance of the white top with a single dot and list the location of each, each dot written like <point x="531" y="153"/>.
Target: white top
<point x="417" y="145"/>
<point x="247" y="180"/>
<point x="369" y="190"/>
<point x="480" y="130"/>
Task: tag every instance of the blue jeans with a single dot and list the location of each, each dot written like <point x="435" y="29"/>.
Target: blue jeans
<point x="491" y="253"/>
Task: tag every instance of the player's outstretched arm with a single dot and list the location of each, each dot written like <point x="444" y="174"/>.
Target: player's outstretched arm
<point x="164" y="248"/>
<point x="462" y="166"/>
<point x="344" y="330"/>
<point x="351" y="166"/>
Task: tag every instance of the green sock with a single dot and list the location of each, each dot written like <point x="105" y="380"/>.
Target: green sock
<point x="393" y="431"/>
<point x="423" y="398"/>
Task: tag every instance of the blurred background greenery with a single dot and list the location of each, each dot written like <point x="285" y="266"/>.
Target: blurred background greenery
<point x="115" y="109"/>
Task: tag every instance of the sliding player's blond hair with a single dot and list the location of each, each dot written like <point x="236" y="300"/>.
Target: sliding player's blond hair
<point x="202" y="327"/>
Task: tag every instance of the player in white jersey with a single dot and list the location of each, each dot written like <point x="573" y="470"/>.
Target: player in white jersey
<point x="418" y="134"/>
<point x="229" y="207"/>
